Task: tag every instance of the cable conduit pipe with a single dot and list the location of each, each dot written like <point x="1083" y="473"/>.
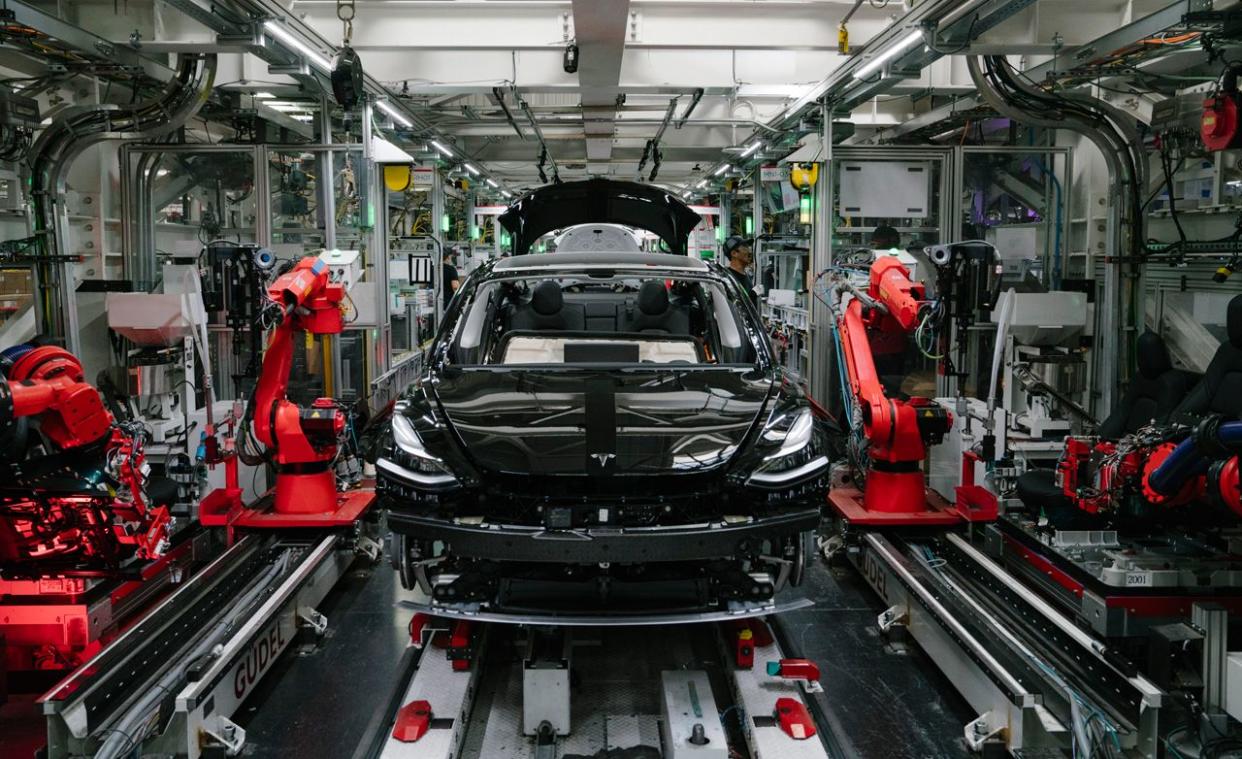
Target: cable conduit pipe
<point x="76" y="129"/>
<point x="1211" y="440"/>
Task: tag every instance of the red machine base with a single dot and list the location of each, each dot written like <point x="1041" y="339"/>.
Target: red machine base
<point x="223" y="508"/>
<point x="848" y="503"/>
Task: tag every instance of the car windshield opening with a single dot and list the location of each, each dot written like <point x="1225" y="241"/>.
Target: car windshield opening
<point x="613" y="317"/>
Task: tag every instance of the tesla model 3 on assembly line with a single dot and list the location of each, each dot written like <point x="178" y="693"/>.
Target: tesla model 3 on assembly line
<point x="602" y="434"/>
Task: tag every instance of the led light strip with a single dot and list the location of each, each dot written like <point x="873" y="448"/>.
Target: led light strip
<point x="875" y="63"/>
<point x="283" y="34"/>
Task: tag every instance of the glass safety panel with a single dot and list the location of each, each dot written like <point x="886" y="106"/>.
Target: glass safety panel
<point x="1015" y="200"/>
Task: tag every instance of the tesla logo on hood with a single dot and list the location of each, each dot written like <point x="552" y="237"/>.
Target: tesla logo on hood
<point x="603" y="459"/>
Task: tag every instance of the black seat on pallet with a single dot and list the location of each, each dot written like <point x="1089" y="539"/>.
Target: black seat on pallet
<point x="1153" y="393"/>
<point x="1220" y="390"/>
<point x="1152" y="396"/>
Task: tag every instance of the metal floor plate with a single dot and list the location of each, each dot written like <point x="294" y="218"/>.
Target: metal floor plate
<point x="756" y="695"/>
<point x="450" y="695"/>
<point x="321" y="706"/>
<point x="615" y="701"/>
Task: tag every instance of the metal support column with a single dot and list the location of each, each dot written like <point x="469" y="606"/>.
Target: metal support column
<point x="819" y="330"/>
<point x="262" y="200"/>
<point x="471" y="222"/>
<point x="376" y="257"/>
<point x="437" y="233"/>
<point x="756" y="207"/>
<point x="327" y="177"/>
<point x="1213" y="621"/>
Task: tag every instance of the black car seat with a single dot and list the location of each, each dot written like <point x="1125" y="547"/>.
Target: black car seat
<point x="547" y="310"/>
<point x="1220" y="390"/>
<point x="1153" y="393"/>
<point x="652" y="312"/>
<point x="1151" y="397"/>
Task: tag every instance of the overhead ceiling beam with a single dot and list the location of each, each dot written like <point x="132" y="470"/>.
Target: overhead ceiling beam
<point x="599" y="31"/>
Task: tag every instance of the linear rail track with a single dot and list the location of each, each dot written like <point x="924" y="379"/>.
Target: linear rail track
<point x="172" y="681"/>
<point x="1013" y="656"/>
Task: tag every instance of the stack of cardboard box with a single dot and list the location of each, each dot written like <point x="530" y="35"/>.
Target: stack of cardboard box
<point x="16" y="292"/>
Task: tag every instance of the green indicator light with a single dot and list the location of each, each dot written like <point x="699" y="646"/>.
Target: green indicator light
<point x="750" y="225"/>
<point x="445" y="223"/>
<point x="474" y="231"/>
<point x="719" y="233"/>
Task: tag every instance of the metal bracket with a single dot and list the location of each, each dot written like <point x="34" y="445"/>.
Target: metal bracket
<point x="981" y="730"/>
<point x="228" y="734"/>
<point x="784" y="567"/>
<point x="892" y="617"/>
<point x="367" y="547"/>
<point x="313" y="619"/>
<point x="545" y="742"/>
<point x="829" y="546"/>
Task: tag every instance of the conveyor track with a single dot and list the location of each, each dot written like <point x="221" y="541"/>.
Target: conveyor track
<point x="1021" y="663"/>
<point x="243" y="607"/>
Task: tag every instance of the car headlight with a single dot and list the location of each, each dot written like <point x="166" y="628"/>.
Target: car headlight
<point x="792" y="430"/>
<point x="795" y="459"/>
<point x="410" y="463"/>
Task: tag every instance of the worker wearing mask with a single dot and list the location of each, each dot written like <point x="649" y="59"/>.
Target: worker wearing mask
<point x="738" y="252"/>
<point x="450" y="279"/>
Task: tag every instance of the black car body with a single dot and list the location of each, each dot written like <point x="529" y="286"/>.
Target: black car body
<point x="602" y="435"/>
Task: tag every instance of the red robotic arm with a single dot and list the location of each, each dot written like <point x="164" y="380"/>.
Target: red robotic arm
<point x="897" y="431"/>
<point x="46" y="383"/>
<point x="303" y="439"/>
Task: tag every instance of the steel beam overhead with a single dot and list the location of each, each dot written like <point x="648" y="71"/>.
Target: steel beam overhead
<point x="600" y="31"/>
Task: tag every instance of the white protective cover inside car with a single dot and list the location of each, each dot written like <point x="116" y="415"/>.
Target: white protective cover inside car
<point x="551" y="350"/>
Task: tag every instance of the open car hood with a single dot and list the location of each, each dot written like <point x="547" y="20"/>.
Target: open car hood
<point x="584" y="423"/>
<point x="599" y="201"/>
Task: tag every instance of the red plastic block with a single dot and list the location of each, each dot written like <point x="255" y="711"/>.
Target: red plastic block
<point x="413" y="721"/>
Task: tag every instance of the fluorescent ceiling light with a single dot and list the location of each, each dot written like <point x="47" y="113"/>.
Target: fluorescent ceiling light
<point x="264" y="96"/>
<point x="902" y="46"/>
<point x="752" y="148"/>
<point x="443" y="150"/>
<point x="492" y="182"/>
<point x="721" y="170"/>
<point x="283" y="34"/>
<point x="470" y="168"/>
<point x="394" y="114"/>
<point x="384" y="152"/>
<point x="506" y="193"/>
<point x="300" y="116"/>
<point x="161" y="173"/>
<point x="289" y="107"/>
<point x="702" y="183"/>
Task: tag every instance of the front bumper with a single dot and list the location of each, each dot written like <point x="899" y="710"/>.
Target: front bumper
<point x="593" y="545"/>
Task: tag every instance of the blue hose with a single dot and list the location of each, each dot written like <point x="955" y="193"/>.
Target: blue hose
<point x="1189" y="459"/>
